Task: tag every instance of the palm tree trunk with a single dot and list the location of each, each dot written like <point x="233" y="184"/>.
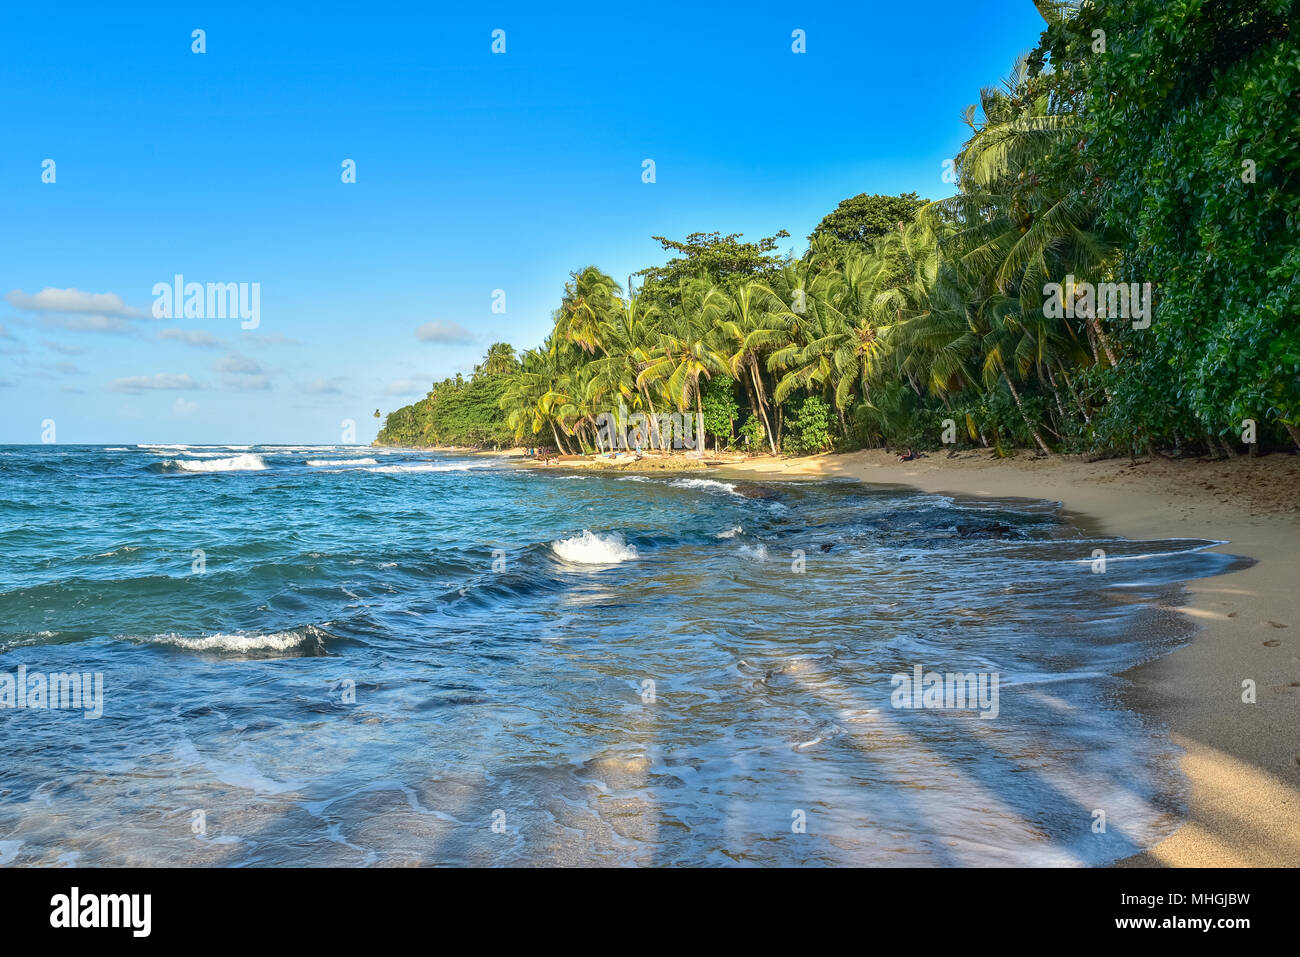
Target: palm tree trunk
<point x="1103" y="339"/>
<point x="559" y="446"/>
<point x="1055" y="393"/>
<point x="1033" y="430"/>
<point x="1077" y="400"/>
<point x="699" y="417"/>
<point x="654" y="421"/>
<point x="762" y="400"/>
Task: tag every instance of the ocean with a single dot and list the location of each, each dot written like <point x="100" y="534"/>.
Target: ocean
<point x="337" y="655"/>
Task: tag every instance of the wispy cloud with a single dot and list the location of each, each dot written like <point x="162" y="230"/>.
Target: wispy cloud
<point x="324" y="387"/>
<point x="50" y="299"/>
<point x="440" y="331"/>
<point x="63" y="347"/>
<point x="192" y="337"/>
<point x="235" y="364"/>
<point x="110" y="324"/>
<point x="246" y="383"/>
<point x="418" y="385"/>
<point x="260" y="339"/>
<point x="79" y="311"/>
<point x="8" y="344"/>
<point x="144" y="383"/>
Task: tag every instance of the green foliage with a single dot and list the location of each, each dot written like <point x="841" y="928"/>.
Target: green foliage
<point x="810" y="429"/>
<point x="1190" y="103"/>
<point x="1127" y="164"/>
<point x="720" y="407"/>
<point x="751" y="434"/>
<point x="724" y="260"/>
<point x="863" y="219"/>
<point x="456" y="411"/>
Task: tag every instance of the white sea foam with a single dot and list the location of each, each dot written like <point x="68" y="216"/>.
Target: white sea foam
<point x="756" y="553"/>
<point x="731" y="532"/>
<point x="241" y="643"/>
<point x="236" y="463"/>
<point x="395" y="469"/>
<point x="318" y="463"/>
<point x="589" y="549"/>
<point x="710" y="484"/>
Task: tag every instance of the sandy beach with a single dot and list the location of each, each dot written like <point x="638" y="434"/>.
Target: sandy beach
<point x="1242" y="761"/>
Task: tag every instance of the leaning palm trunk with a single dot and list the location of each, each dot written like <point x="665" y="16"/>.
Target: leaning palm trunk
<point x="1033" y="430"/>
<point x="1077" y="400"/>
<point x="652" y="433"/>
<point x="1056" y="394"/>
<point x="1103" y="339"/>
<point x="762" y="400"/>
<point x="699" y="418"/>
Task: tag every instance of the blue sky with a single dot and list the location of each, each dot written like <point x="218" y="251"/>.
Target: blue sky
<point x="474" y="172"/>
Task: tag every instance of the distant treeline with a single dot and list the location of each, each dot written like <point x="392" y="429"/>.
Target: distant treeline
<point x="1117" y="273"/>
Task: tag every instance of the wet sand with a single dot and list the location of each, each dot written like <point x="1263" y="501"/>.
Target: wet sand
<point x="1242" y="761"/>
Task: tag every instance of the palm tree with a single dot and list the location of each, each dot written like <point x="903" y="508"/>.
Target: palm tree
<point x="754" y="320"/>
<point x="629" y="336"/>
<point x="500" y="360"/>
<point x="687" y="349"/>
<point x="589" y="298"/>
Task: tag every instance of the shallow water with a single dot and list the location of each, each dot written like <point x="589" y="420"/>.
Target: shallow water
<point x="499" y="630"/>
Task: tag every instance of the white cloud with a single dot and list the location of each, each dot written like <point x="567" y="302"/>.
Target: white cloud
<point x="183" y="407"/>
<point x="50" y="299"/>
<point x="246" y="383"/>
<point x="163" y="380"/>
<point x="63" y="347"/>
<point x="324" y="387"/>
<point x="440" y="331"/>
<point x="235" y="364"/>
<point x="404" y="387"/>
<point x="111" y="324"/>
<point x="270" y="339"/>
<point x="192" y="337"/>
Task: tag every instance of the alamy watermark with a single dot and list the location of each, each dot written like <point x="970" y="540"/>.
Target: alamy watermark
<point x="57" y="691"/>
<point x="1106" y="300"/>
<point x="638" y="430"/>
<point x="179" y="299"/>
<point x="946" y="691"/>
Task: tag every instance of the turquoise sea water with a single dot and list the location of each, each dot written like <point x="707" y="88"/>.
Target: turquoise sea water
<point x="340" y="655"/>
